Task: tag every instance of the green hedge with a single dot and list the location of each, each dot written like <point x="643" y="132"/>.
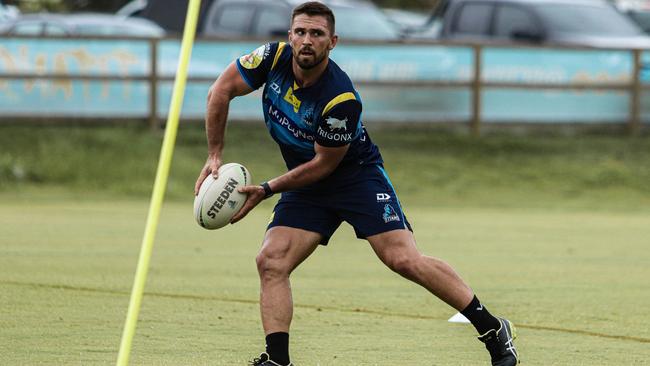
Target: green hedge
<point x="428" y="165"/>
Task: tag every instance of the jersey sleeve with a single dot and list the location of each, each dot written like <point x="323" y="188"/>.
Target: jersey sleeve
<point x="255" y="66"/>
<point x="339" y="123"/>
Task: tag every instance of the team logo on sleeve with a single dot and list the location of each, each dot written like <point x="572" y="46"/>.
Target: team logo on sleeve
<point x="337" y="130"/>
<point x="337" y="124"/>
<point x="255" y="58"/>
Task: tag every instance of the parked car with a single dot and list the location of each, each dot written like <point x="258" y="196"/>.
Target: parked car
<point x="637" y="10"/>
<point x="86" y="24"/>
<point x="8" y="12"/>
<point x="355" y="19"/>
<point x="641" y="18"/>
<point x="594" y="23"/>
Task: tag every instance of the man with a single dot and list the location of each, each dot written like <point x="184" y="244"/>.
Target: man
<point x="335" y="174"/>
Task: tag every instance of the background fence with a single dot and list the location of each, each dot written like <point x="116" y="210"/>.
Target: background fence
<point x="61" y="78"/>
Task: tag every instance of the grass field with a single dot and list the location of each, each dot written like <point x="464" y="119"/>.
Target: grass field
<point x="552" y="234"/>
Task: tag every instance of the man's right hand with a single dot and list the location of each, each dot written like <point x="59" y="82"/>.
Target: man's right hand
<point x="211" y="167"/>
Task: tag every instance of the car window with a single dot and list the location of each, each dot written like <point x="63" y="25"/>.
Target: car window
<point x="97" y="29"/>
<point x="233" y="20"/>
<point x="642" y="19"/>
<point x="55" y="30"/>
<point x="372" y="25"/>
<point x="509" y="19"/>
<point x="586" y="20"/>
<point x="271" y="19"/>
<point x="473" y="19"/>
<point x="30" y="28"/>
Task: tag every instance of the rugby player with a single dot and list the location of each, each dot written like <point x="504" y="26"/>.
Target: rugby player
<point x="335" y="174"/>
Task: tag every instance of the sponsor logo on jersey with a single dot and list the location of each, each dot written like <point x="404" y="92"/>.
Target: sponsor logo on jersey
<point x="345" y="137"/>
<point x="275" y="87"/>
<point x="254" y="59"/>
<point x="337" y="124"/>
<point x="295" y="102"/>
<point x="389" y="214"/>
<point x="308" y="117"/>
<point x="383" y="197"/>
<point x="282" y="120"/>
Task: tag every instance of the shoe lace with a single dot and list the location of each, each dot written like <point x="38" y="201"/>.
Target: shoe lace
<point x="258" y="360"/>
<point x="510" y="346"/>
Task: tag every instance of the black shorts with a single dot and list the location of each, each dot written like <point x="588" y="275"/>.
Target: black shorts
<point x="368" y="203"/>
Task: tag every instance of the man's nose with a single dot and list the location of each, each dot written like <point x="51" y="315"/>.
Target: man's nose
<point x="307" y="39"/>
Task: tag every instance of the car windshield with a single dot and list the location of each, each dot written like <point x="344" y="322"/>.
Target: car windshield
<point x="584" y="19"/>
<point x="368" y="23"/>
<point x="642" y="19"/>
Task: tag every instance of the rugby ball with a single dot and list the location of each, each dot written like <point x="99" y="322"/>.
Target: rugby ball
<point x="218" y="199"/>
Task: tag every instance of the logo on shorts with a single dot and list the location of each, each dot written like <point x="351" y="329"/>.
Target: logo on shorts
<point x="389" y="214"/>
<point x="383" y="197"/>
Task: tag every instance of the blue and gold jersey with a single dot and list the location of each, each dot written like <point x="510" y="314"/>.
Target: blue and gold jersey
<point x="327" y="112"/>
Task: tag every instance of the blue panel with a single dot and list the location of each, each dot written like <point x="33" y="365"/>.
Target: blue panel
<point x="556" y="66"/>
<point x="74" y="57"/>
<point x="129" y="99"/>
<point x="554" y="106"/>
<point x="194" y="102"/>
<point x="209" y="59"/>
<point x="645" y="68"/>
<point x="395" y="104"/>
<point x="404" y="62"/>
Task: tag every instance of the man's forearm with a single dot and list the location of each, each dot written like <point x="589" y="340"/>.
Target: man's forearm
<point x="215" y="121"/>
<point x="310" y="172"/>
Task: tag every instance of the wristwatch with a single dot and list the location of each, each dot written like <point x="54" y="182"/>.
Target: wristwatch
<point x="267" y="190"/>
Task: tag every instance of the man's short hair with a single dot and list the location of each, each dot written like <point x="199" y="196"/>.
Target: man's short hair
<point x="315" y="8"/>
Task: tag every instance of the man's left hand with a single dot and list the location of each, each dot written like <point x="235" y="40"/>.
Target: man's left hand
<point x="255" y="195"/>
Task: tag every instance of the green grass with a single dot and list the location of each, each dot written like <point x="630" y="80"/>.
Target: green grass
<point x="550" y="230"/>
<point x="576" y="283"/>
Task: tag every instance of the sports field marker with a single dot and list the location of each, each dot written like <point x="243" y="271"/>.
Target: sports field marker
<point x="160" y="183"/>
<point x="458" y="318"/>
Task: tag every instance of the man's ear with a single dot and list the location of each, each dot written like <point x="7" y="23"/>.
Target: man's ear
<point x="335" y="39"/>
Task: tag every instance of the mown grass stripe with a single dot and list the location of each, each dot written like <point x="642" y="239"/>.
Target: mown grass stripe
<point x="318" y="308"/>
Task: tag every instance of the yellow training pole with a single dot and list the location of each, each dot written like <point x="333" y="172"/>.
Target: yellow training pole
<point x="160" y="183"/>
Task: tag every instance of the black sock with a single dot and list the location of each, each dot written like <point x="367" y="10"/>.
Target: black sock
<point x="277" y="347"/>
<point x="481" y="319"/>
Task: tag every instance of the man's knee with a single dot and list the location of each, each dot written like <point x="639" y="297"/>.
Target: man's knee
<point x="403" y="263"/>
<point x="271" y="262"/>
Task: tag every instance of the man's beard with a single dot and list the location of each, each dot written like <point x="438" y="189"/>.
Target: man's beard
<point x="307" y="65"/>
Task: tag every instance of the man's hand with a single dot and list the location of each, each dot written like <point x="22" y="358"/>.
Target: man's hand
<point x="255" y="196"/>
<point x="211" y="167"/>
